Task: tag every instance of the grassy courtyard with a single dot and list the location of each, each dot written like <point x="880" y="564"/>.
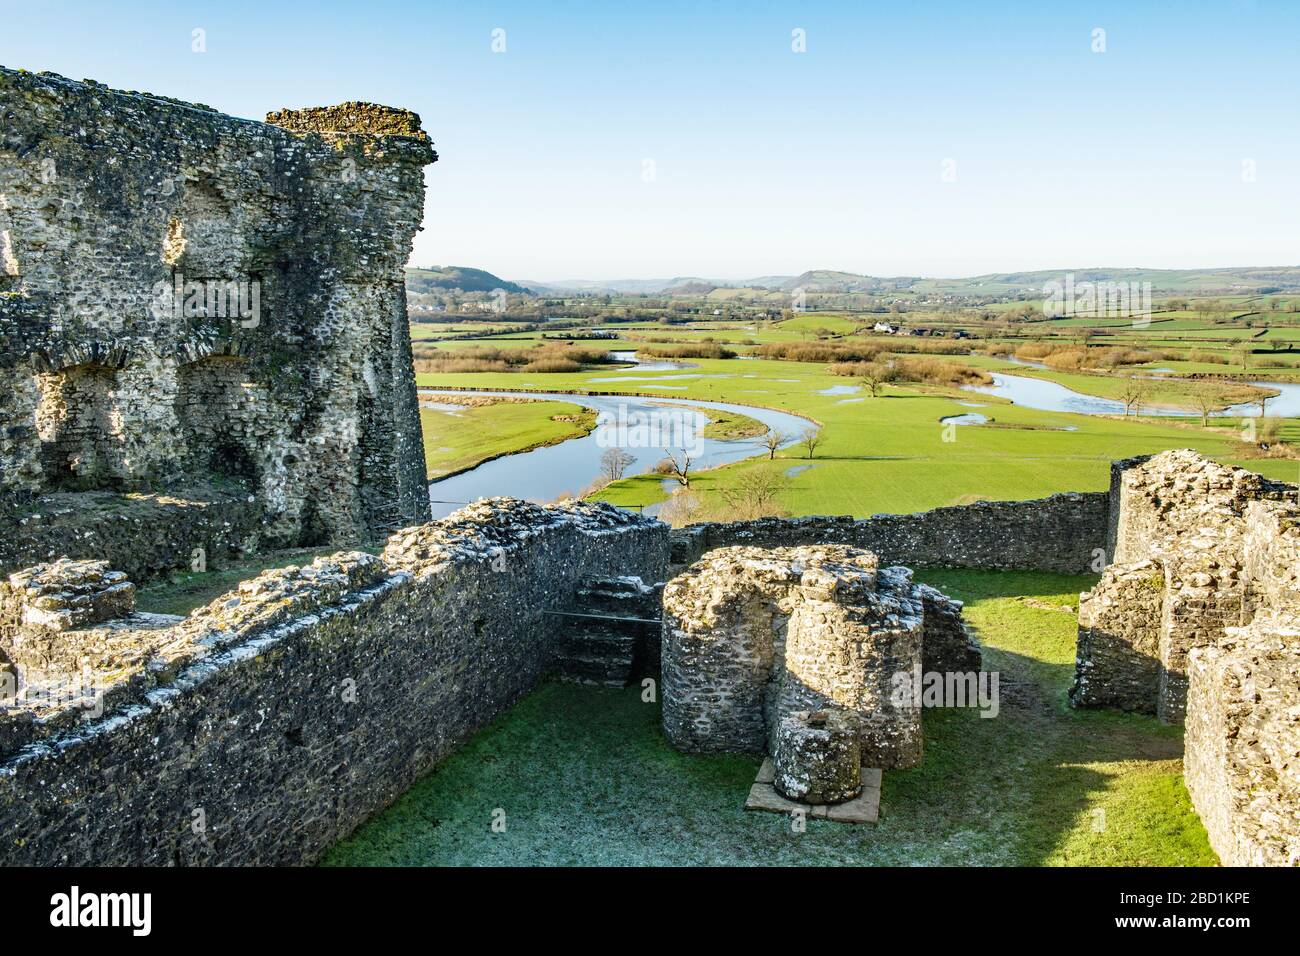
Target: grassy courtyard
<point x="585" y="776"/>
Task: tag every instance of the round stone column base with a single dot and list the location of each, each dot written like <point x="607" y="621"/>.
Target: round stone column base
<point x="818" y="756"/>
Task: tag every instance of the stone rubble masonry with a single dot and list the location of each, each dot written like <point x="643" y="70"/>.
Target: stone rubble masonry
<point x="950" y="646"/>
<point x="1242" y="728"/>
<point x="1062" y="532"/>
<point x="818" y="756"/>
<point x="294" y="707"/>
<point x="752" y="635"/>
<point x="69" y="594"/>
<point x="1271" y="567"/>
<point x="1197" y="621"/>
<point x="1202" y="597"/>
<point x="1242" y="757"/>
<point x="1188" y="516"/>
<point x="142" y="535"/>
<point x="1118" y="656"/>
<point x="1167" y="500"/>
<point x="307" y="403"/>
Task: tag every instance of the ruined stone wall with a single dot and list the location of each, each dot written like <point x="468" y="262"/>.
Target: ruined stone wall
<point x="1182" y="520"/>
<point x="752" y="635"/>
<point x="1063" y="532"/>
<point x="1199" y="623"/>
<point x="187" y="297"/>
<point x="143" y="535"/>
<point x="286" y="712"/>
<point x="1179" y="501"/>
<point x="1117" y="661"/>
<point x="1242" y="729"/>
<point x="1242" y="756"/>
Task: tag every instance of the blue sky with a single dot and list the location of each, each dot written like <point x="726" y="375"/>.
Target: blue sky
<point x="761" y="160"/>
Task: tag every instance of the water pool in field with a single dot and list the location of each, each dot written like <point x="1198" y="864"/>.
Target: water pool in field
<point x="1052" y="397"/>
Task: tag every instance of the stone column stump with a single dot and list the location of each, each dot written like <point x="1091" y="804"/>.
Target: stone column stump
<point x="818" y="756"/>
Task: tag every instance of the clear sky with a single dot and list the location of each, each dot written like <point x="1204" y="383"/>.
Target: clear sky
<point x="659" y="139"/>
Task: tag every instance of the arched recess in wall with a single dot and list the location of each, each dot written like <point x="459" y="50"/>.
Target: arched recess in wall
<point x="217" y="406"/>
<point x="80" y="428"/>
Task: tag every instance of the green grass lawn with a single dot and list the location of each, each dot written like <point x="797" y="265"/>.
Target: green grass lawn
<point x="585" y="776"/>
<point x="458" y="440"/>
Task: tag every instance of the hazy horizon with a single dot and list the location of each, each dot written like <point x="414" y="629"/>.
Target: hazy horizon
<point x="1062" y="270"/>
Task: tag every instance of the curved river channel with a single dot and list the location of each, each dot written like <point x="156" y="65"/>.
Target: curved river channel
<point x="641" y="427"/>
<point x="1051" y="397"/>
<point x="544" y="474"/>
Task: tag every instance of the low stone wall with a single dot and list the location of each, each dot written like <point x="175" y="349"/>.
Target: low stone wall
<point x="142" y="535"/>
<point x="266" y="726"/>
<point x="1063" y="532"/>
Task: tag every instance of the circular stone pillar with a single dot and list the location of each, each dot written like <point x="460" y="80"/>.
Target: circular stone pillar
<point x="818" y="756"/>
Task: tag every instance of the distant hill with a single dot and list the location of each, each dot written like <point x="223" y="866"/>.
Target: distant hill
<point x="619" y="286"/>
<point x="1167" y="281"/>
<point x="446" y="278"/>
<point x="1249" y="280"/>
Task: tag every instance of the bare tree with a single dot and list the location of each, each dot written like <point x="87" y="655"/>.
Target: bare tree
<point x="772" y="441"/>
<point x="681" y="470"/>
<point x="615" y="462"/>
<point x="1268" y="431"/>
<point x="812" y="437"/>
<point x="1206" y="399"/>
<point x="876" y="374"/>
<point x="1133" y="394"/>
<point x="1263" y="399"/>
<point x="754" y="494"/>
<point x="682" y="508"/>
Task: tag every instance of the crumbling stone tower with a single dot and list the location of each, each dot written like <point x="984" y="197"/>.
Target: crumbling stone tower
<point x="1176" y="581"/>
<point x="189" y="300"/>
<point x="754" y="635"/>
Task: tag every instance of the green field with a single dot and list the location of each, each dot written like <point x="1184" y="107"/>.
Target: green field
<point x="458" y="440"/>
<point x="892" y="454"/>
<point x="585" y="777"/>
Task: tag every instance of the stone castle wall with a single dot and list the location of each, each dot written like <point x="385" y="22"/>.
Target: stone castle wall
<point x="266" y="726"/>
<point x="1063" y="532"/>
<point x="1197" y="623"/>
<point x="1118" y="655"/>
<point x="144" y="535"/>
<point x="189" y="298"/>
<point x="1177" y="580"/>
<point x="1242" y="760"/>
<point x="1242" y="740"/>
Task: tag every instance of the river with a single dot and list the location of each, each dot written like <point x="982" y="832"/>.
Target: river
<point x="1052" y="397"/>
<point x="544" y="474"/>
